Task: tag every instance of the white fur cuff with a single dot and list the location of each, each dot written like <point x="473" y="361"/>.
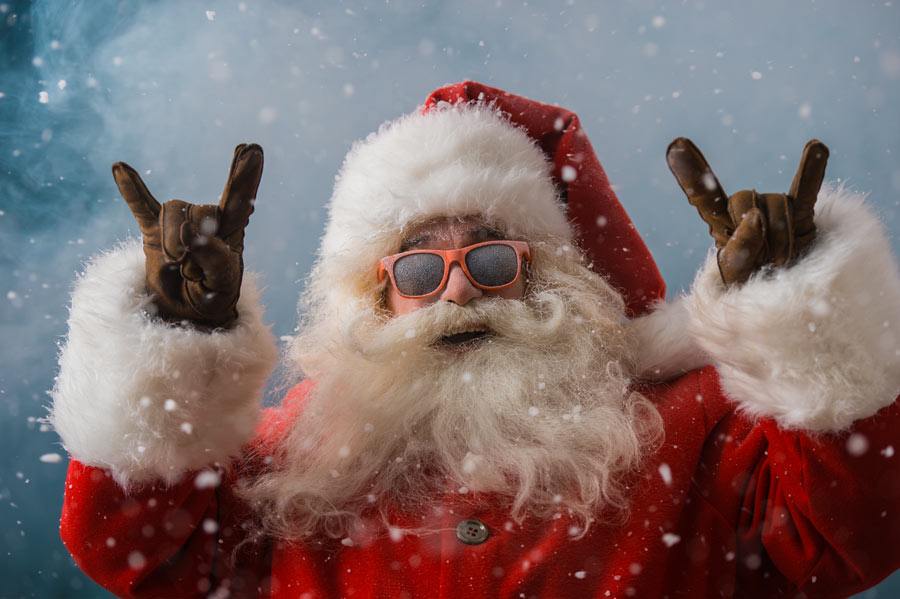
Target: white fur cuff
<point x="148" y="400"/>
<point x="665" y="348"/>
<point x="815" y="346"/>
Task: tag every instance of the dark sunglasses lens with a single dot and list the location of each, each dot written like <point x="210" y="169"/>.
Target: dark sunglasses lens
<point x="493" y="265"/>
<point x="418" y="274"/>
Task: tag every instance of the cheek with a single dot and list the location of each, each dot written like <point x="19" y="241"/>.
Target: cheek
<point x="515" y="292"/>
<point x="399" y="305"/>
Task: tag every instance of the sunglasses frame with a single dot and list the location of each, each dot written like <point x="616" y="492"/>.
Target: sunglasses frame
<point x="456" y="256"/>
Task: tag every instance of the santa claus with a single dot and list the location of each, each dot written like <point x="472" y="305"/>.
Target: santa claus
<point x="492" y="398"/>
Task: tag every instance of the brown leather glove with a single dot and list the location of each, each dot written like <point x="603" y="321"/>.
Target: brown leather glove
<point x="751" y="229"/>
<point x="194" y="252"/>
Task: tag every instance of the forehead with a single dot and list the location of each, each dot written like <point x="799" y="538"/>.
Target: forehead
<point x="448" y="227"/>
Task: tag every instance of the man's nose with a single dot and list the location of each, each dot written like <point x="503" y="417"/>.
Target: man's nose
<point x="459" y="289"/>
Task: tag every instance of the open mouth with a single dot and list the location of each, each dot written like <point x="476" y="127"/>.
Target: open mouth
<point x="460" y="340"/>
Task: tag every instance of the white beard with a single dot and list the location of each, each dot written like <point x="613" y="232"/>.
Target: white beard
<point x="540" y="413"/>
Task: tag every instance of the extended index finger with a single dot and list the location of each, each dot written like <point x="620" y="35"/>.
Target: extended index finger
<point x="143" y="205"/>
<point x="239" y="194"/>
<point x="701" y="187"/>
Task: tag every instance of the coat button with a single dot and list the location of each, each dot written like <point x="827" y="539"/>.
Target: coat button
<point x="472" y="532"/>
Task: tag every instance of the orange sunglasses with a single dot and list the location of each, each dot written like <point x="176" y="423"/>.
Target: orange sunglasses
<point x="489" y="266"/>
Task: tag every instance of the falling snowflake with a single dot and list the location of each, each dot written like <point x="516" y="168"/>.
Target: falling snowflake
<point x="670" y="539"/>
<point x="51" y="458"/>
<point x="753" y="561"/>
<point x="666" y="473"/>
<point x="470" y="463"/>
<point x="857" y="444"/>
<point x="709" y="181"/>
<point x="136" y="560"/>
<point x="267" y="115"/>
<point x="207" y="479"/>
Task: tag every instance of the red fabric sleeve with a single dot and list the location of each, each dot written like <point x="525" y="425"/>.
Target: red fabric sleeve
<point x="150" y="543"/>
<point x="185" y="540"/>
<point x="818" y="515"/>
<point x="180" y="541"/>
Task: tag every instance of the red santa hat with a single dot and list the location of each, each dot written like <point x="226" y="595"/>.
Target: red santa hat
<point x="475" y="150"/>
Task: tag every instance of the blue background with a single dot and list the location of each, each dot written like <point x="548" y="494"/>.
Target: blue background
<point x="171" y="89"/>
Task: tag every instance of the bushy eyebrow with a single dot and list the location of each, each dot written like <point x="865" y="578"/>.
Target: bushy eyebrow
<point x="477" y="234"/>
<point x="485" y="233"/>
<point x="415" y="241"/>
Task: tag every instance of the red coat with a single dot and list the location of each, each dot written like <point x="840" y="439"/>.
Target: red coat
<point x="726" y="507"/>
